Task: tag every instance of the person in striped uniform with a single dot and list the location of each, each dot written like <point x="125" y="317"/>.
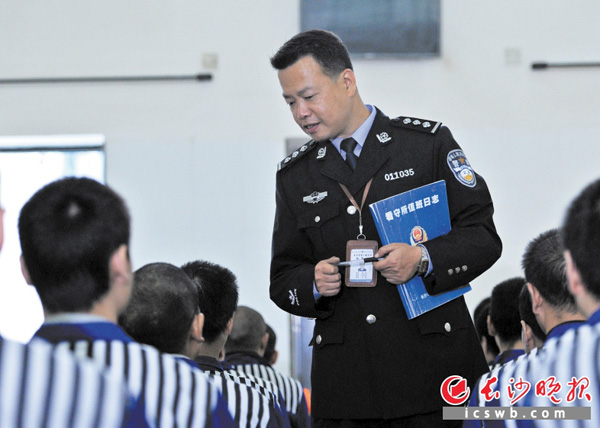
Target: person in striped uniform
<point x="41" y="386"/>
<point x="165" y="312"/>
<point x="244" y="351"/>
<point x="544" y="267"/>
<point x="504" y="320"/>
<point x="218" y="295"/>
<point x="565" y="372"/>
<point x="74" y="236"/>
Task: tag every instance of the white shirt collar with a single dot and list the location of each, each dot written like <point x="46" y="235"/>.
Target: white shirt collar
<point x="360" y="135"/>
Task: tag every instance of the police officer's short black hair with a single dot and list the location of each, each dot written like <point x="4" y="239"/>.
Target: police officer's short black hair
<point x="324" y="46"/>
<point x="581" y="236"/>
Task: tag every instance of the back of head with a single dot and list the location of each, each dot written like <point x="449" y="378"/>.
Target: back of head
<point x="504" y="309"/>
<point x="217" y="293"/>
<point x="527" y="315"/>
<point x="248" y="331"/>
<point x="544" y="267"/>
<point x="162" y="307"/>
<point x="324" y="46"/>
<point x="581" y="236"/>
<point x="68" y="231"/>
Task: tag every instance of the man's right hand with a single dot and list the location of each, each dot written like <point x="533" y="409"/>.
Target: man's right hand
<point x="327" y="277"/>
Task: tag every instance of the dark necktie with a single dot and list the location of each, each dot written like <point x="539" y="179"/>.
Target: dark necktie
<point x="348" y="146"/>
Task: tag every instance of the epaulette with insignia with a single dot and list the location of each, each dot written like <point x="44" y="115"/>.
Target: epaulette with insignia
<point x="422" y="125"/>
<point x="297" y="154"/>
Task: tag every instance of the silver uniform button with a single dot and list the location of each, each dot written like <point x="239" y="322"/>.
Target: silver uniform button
<point x="318" y="339"/>
<point x="371" y="319"/>
<point x="317" y="219"/>
<point x="447" y="327"/>
<point x="351" y="210"/>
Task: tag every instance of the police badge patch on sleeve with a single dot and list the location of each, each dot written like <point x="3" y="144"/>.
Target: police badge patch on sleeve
<point x="460" y="166"/>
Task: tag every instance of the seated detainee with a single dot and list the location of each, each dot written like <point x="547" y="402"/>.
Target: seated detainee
<point x="244" y="351"/>
<point x="488" y="343"/>
<point x="545" y="271"/>
<point x="272" y="354"/>
<point x="564" y="373"/>
<point x="218" y="295"/>
<point x="164" y="311"/>
<point x="81" y="391"/>
<point x="504" y="321"/>
<point x="74" y="237"/>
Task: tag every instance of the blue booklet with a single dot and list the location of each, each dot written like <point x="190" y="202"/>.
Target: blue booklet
<point x="414" y="217"/>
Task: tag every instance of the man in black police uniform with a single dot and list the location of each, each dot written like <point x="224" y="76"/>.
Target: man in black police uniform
<point x="370" y="363"/>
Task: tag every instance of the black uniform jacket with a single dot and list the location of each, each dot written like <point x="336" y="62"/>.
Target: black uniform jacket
<point x="392" y="367"/>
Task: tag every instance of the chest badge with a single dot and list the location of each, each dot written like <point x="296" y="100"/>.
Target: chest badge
<point x="384" y="137"/>
<point x="314" y="197"/>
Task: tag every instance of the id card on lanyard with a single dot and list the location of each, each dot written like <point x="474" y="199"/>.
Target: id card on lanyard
<point x="360" y="274"/>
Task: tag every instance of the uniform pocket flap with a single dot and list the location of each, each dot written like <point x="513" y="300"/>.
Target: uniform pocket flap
<point x="327" y="333"/>
<point x="446" y="319"/>
<point x="318" y="215"/>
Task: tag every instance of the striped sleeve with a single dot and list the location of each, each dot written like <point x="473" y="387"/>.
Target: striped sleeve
<point x="173" y="393"/>
<point x="294" y="400"/>
<point x="249" y="407"/>
<point x="565" y="372"/>
<point x="40" y="386"/>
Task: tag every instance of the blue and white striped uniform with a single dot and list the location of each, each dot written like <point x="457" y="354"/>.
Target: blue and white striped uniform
<point x="250" y="405"/>
<point x="44" y="387"/>
<point x="570" y="359"/>
<point x="174" y="394"/>
<point x="291" y="389"/>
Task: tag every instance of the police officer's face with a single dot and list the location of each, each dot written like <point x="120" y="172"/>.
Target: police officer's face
<point x="321" y="106"/>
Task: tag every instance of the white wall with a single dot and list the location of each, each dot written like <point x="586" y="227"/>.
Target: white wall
<point x="196" y="161"/>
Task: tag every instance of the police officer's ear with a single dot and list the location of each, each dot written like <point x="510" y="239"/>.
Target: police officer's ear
<point x="349" y="80"/>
